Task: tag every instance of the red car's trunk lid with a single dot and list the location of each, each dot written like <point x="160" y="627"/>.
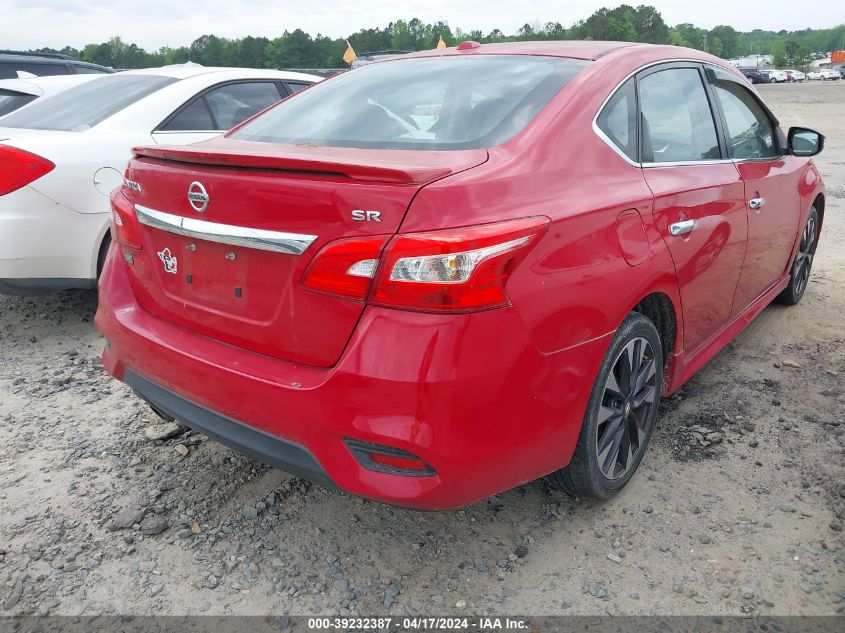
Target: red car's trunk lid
<point x="203" y="269"/>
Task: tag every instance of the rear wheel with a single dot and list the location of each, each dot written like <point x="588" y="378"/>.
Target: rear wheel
<point x="620" y="414"/>
<point x="799" y="276"/>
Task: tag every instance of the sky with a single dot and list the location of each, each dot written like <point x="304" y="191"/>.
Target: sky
<point x="152" y="24"/>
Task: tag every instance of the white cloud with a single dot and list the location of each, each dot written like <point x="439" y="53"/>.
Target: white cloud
<point x="154" y="23"/>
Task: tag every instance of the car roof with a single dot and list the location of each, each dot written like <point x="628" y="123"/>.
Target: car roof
<point x="189" y="69"/>
<point x="576" y="49"/>
<point x="47" y="59"/>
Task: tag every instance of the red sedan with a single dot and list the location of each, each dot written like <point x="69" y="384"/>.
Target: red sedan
<point x="434" y="278"/>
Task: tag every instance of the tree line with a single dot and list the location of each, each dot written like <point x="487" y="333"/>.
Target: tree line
<point x="297" y="49"/>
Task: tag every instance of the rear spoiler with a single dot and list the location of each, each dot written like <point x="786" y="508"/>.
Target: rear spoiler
<point x="301" y="159"/>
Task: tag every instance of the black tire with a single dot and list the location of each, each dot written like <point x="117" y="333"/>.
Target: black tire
<point x="802" y="265"/>
<point x="587" y="474"/>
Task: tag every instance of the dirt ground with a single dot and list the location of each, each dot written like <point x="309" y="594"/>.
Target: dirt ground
<point x="96" y="518"/>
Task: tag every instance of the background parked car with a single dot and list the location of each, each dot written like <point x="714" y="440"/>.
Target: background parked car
<point x="43" y="64"/>
<point x="774" y="76"/>
<point x="754" y="75"/>
<point x="16" y="93"/>
<point x="794" y="75"/>
<point x="823" y="74"/>
<point x="61" y="156"/>
<point x="375" y="56"/>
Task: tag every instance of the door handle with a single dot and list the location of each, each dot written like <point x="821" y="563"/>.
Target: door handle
<point x="756" y="203"/>
<point x="682" y="228"/>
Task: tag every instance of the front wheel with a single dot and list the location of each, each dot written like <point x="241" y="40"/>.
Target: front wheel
<point x="620" y="414"/>
<point x="799" y="275"/>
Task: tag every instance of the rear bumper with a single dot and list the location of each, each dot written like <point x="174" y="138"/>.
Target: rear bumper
<point x="469" y="394"/>
<point x="262" y="446"/>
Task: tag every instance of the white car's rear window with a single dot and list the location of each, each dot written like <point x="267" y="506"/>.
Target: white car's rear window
<point x="11" y="100"/>
<point x="81" y="108"/>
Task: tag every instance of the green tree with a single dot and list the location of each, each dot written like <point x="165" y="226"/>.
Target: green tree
<point x="526" y="32"/>
<point x="729" y="38"/>
<point x="790" y="54"/>
<point x="649" y="25"/>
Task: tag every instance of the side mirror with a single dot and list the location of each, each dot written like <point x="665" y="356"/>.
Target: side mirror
<point x="803" y="141"/>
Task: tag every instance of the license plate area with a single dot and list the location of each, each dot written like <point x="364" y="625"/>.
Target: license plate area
<point x="225" y="279"/>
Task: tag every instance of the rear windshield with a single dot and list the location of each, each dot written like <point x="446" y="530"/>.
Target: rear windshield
<point x="84" y="106"/>
<point x="439" y="103"/>
<point x="12" y="100"/>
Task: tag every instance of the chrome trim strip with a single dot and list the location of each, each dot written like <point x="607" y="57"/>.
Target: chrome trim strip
<point x="612" y="145"/>
<point x="261" y="239"/>
<point x="681" y="163"/>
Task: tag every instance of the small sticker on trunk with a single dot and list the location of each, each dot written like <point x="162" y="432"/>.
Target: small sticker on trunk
<point x="169" y="261"/>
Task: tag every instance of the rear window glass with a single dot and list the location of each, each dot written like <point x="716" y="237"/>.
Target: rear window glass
<point x="12" y="100"/>
<point x="84" y="106"/>
<point x="426" y="103"/>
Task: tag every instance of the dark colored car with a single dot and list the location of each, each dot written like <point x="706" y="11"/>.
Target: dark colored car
<point x="754" y="75"/>
<point x="376" y="56"/>
<point x="42" y="64"/>
<point x="434" y="278"/>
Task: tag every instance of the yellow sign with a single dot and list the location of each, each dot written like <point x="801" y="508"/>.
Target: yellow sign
<point x="349" y="56"/>
<point x="441" y="43"/>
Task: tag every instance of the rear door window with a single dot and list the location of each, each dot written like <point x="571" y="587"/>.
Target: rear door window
<point x="235" y="103"/>
<point x="677" y="124"/>
<point x="193" y="118"/>
<point x="222" y="108"/>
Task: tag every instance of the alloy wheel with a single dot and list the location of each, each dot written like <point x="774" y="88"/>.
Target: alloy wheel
<point x="804" y="256"/>
<point x="626" y="411"/>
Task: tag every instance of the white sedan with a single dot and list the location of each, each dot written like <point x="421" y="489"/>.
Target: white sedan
<point x="16" y="93"/>
<point x="61" y="156"/>
<point x="823" y="73"/>
<point x="794" y="75"/>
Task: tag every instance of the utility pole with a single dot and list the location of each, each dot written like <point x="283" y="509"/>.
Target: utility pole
<point x="705" y="42"/>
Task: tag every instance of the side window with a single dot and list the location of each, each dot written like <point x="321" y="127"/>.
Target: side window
<point x="618" y="119"/>
<point x="90" y="70"/>
<point x="194" y="118"/>
<point x="749" y="128"/>
<point x="677" y="124"/>
<point x="43" y="70"/>
<point x="235" y="103"/>
<point x="295" y="87"/>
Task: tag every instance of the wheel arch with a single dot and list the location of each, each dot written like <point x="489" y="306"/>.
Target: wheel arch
<point x="101" y="250"/>
<point x="660" y="310"/>
<point x="818" y="203"/>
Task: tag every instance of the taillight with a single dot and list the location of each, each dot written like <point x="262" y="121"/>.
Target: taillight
<point x="345" y="267"/>
<point x="18" y="168"/>
<point x="458" y="270"/>
<point x="125" y="228"/>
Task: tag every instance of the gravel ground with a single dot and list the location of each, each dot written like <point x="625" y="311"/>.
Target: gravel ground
<point x="738" y="507"/>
